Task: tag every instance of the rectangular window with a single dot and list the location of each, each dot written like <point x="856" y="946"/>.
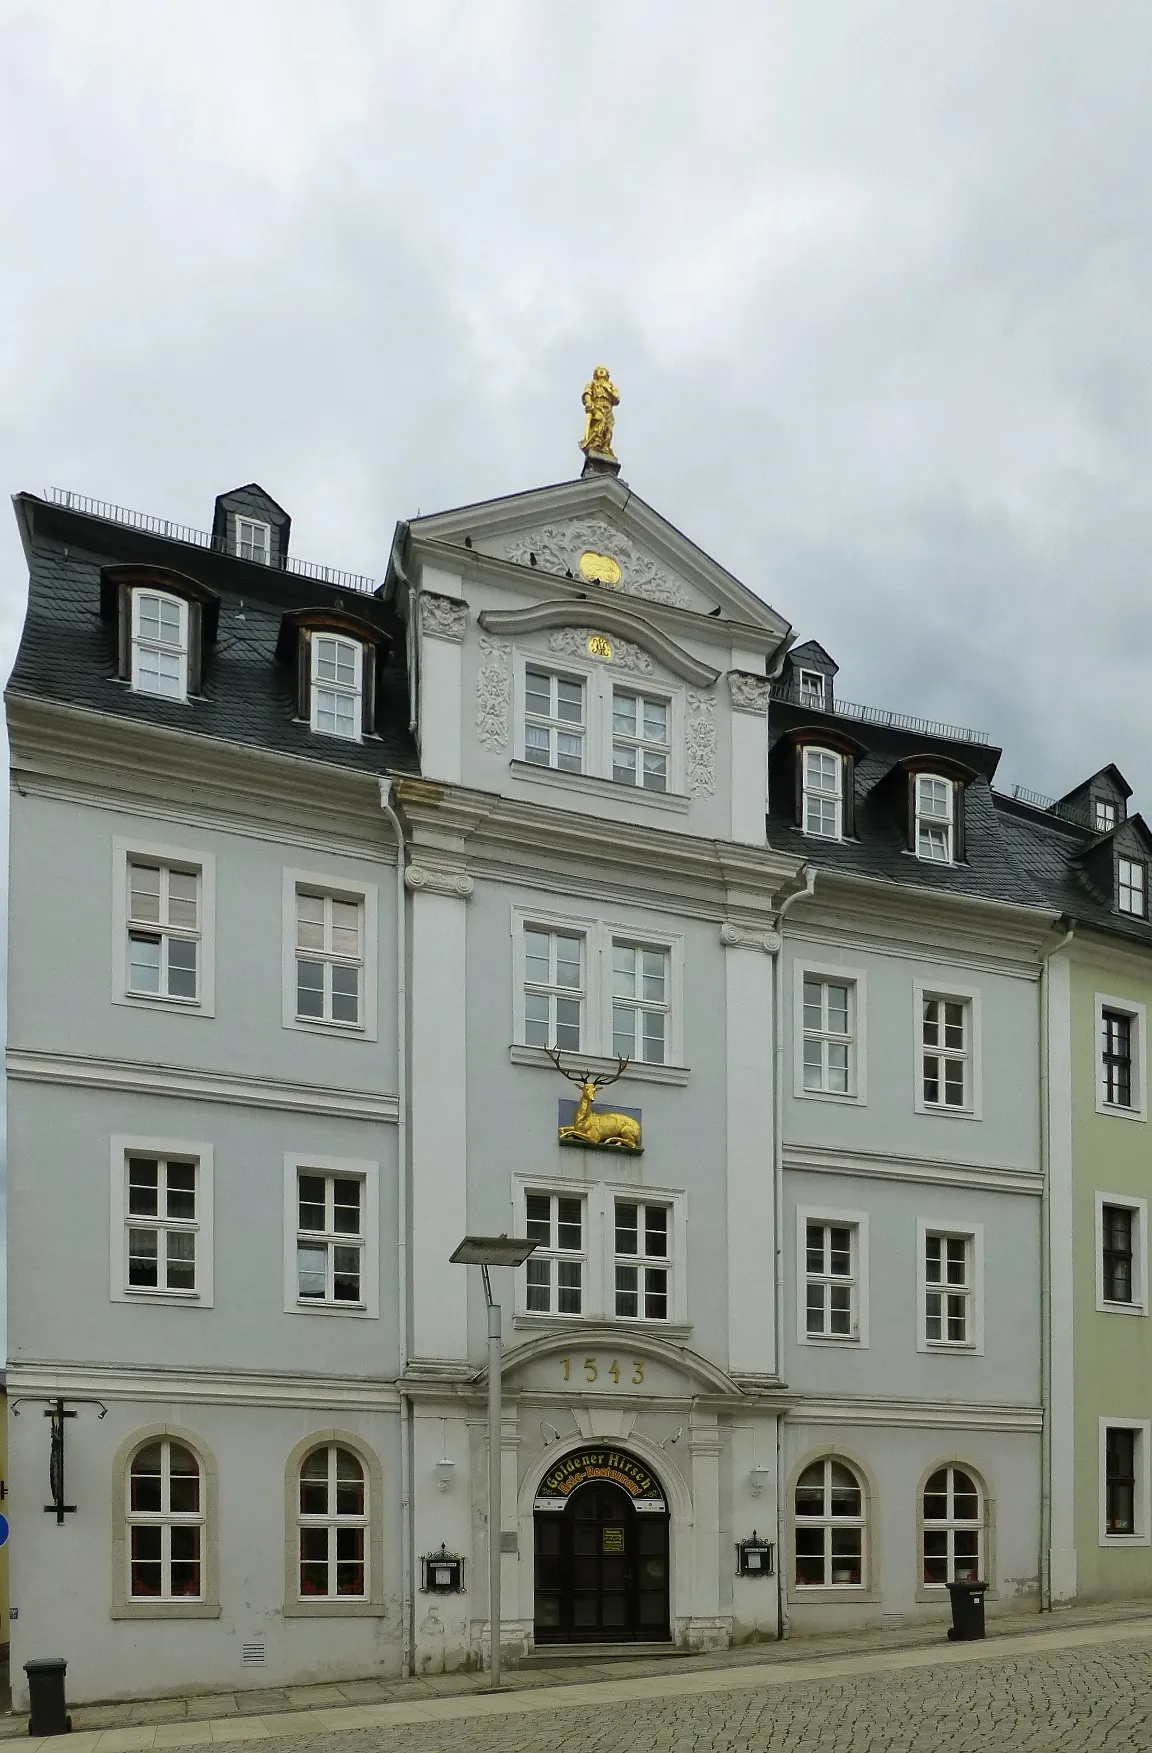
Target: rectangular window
<point x="554" y="721"/>
<point x="336" y="685"/>
<point x="812" y="689"/>
<point x="1117" y="1058"/>
<point x="163" y="931"/>
<point x="639" y="1002"/>
<point x="161" y="1223"/>
<point x="945" y="1031"/>
<point x="1131" y="887"/>
<point x="1105" y="813"/>
<point x="643" y="1264"/>
<point x="159" y="644"/>
<point x="329" y="958"/>
<point x="553" y="988"/>
<point x="329" y="1237"/>
<point x="1120" y="1446"/>
<point x="823" y="806"/>
<point x="640" y="741"/>
<point x="934" y="818"/>
<point x="1117" y="1223"/>
<point x="556" y="1271"/>
<point x="830" y="1276"/>
<point x="947" y="1289"/>
<point x="828" y="1042"/>
<point x="253" y="540"/>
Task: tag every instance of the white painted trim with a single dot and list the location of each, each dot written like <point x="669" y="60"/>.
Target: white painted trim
<point x="846" y="1411"/>
<point x="637" y="1069"/>
<point x="592" y="1197"/>
<point x="172" y="1384"/>
<point x="857" y="980"/>
<point x="599" y="680"/>
<point x="124" y="848"/>
<point x="803" y="750"/>
<point x="983" y="1177"/>
<point x="1143" y="1506"/>
<point x="600" y="1252"/>
<point x="366" y="1171"/>
<point x="80" y="1071"/>
<point x="256" y="523"/>
<point x="137" y="639"/>
<point x="150" y="1145"/>
<point x="367" y="895"/>
<point x="857" y="1221"/>
<point x="1139" y="1303"/>
<point x="973" y="1234"/>
<point x="1060" y="1438"/>
<point x="1128" y="1007"/>
<point x="928" y="987"/>
<point x="355" y="693"/>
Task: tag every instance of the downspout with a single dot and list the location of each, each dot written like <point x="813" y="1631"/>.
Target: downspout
<point x="407" y="1538"/>
<point x="1045" y="1278"/>
<point x="778" y="1221"/>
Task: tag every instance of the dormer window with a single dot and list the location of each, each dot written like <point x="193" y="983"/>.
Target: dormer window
<point x="935" y="818"/>
<point x="253" y="540"/>
<point x="337" y="669"/>
<point x="812" y="689"/>
<point x="159" y="644"/>
<point x="1132" y="887"/>
<point x="1104" y="812"/>
<point x="823" y="799"/>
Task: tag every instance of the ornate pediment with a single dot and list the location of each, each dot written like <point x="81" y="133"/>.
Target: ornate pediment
<point x="596" y="551"/>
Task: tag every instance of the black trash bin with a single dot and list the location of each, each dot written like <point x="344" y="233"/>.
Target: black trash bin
<point x="48" y="1714"/>
<point x="967" y="1611"/>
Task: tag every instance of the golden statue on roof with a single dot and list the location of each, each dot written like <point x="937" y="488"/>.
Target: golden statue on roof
<point x="600" y="397"/>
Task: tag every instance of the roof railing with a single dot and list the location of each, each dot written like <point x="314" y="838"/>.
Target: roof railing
<point x="182" y="532"/>
<point x="880" y="715"/>
<point x="1037" y="799"/>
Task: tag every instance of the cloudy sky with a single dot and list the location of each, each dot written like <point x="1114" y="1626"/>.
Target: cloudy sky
<point x="872" y="275"/>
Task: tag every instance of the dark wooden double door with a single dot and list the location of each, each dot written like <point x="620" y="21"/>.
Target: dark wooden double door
<point x="601" y="1570"/>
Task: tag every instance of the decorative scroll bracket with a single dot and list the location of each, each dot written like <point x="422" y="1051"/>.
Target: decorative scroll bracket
<point x="57" y="1409"/>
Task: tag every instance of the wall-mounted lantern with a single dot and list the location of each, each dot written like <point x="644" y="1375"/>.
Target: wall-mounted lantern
<point x="757" y="1479"/>
<point x="445" y="1473"/>
<point x="755" y="1557"/>
<point x="443" y="1572"/>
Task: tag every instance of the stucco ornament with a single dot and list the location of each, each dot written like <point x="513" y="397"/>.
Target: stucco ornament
<point x="494" y="693"/>
<point x="700" y="744"/>
<point x="749" y="693"/>
<point x="442" y="617"/>
<point x="748" y="937"/>
<point x="559" y="548"/>
<point x="431" y="879"/>
<point x="586" y="642"/>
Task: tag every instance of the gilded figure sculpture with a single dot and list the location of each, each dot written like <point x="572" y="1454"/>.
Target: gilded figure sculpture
<point x="596" y="1126"/>
<point x="600" y="397"/>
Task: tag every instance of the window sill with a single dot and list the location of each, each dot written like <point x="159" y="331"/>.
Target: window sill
<point x="848" y="1099"/>
<point x="139" y="1293"/>
<point x="1119" y="1113"/>
<point x="333" y="1031"/>
<point x="321" y="1609"/>
<point x="342" y="1311"/>
<point x="941" y="1113"/>
<point x="166" y="1610"/>
<point x="852" y="1341"/>
<point x="1114" y="1540"/>
<point x="159" y="1001"/>
<point x="951" y="1347"/>
<point x="1104" y="1307"/>
<point x="595" y="786"/>
<point x="573" y="1323"/>
<point x="831" y="1594"/>
<point x="597" y="1062"/>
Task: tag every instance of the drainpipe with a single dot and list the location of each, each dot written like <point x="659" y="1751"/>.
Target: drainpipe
<point x="1045" y="1277"/>
<point x="778" y="1217"/>
<point x="407" y="1534"/>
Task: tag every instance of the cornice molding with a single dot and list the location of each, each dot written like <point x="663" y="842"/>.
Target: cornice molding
<point x="428" y="879"/>
<point x="442" y="617"/>
<point x="612" y="617"/>
<point x="749" y="693"/>
<point x="933" y="1171"/>
<point x="169" y="1383"/>
<point x="850" y="1410"/>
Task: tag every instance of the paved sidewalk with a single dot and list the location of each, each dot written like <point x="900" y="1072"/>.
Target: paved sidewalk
<point x="1088" y="1669"/>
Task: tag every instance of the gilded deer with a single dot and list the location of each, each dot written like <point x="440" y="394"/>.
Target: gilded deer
<point x="592" y="1126"/>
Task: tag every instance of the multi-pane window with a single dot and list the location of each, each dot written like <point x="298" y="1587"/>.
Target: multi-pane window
<point x="1104" y="812"/>
<point x="643" y="1261"/>
<point x="947" y="1289"/>
<point x="1120" y="1448"/>
<point x="159" y="644"/>
<point x="329" y="1237"/>
<point x="830" y="1272"/>
<point x="934" y="818"/>
<point x="333" y="1525"/>
<point x="1117" y="1058"/>
<point x="555" y="1222"/>
<point x="553" y="988"/>
<point x="553" y="721"/>
<point x="163" y="930"/>
<point x="823" y="805"/>
<point x="1131" y="887"/>
<point x="811" y="688"/>
<point x="329" y="958"/>
<point x="640" y="741"/>
<point x="639" y="1003"/>
<point x="827" y="1035"/>
<point x="1116" y="1252"/>
<point x="165" y="1523"/>
<point x="161" y="1224"/>
<point x="829" y="1527"/>
<point x="945" y="1026"/>
<point x="253" y="539"/>
<point x="337" y="672"/>
<point x="953" y="1526"/>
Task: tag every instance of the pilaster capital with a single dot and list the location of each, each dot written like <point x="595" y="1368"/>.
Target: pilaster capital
<point x="430" y="879"/>
<point x="442" y="617"/>
<point x="749" y="937"/>
<point x="749" y="693"/>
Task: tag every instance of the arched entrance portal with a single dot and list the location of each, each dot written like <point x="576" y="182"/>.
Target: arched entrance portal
<point x="601" y="1558"/>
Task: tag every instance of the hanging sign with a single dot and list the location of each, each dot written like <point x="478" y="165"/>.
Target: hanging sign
<point x="612" y="1465"/>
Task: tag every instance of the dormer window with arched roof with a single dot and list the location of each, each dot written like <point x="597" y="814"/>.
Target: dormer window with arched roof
<point x="823" y="793"/>
<point x="935" y="818"/>
<point x="338" y="656"/>
<point x="164" y="619"/>
<point x="337" y="686"/>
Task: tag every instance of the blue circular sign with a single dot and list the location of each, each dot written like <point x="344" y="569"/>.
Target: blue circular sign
<point x="3" y="1530"/>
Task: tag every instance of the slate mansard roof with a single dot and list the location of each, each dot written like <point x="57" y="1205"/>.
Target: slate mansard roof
<point x="68" y="650"/>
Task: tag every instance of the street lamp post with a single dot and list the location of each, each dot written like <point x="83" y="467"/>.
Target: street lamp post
<point x="486" y="1251"/>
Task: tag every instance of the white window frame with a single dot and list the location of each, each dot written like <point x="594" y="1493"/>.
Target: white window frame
<point x="947" y="823"/>
<point x="804" y="750"/>
<point x="641" y="1261"/>
<point x="973" y="1235"/>
<point x="1137" y="1014"/>
<point x="355" y="692"/>
<point x="857" y="1222"/>
<point x="821" y="680"/>
<point x="243" y="523"/>
<point x="950" y="1526"/>
<point x="166" y="1520"/>
<point x="333" y="1521"/>
<point x="556" y="726"/>
<point x="641" y="745"/>
<point x="354" y="1168"/>
<point x="122" y="1146"/>
<point x="126" y="850"/>
<point x="1122" y="887"/>
<point x="971" y="996"/>
<point x="600" y="680"/>
<point x="1143" y="1517"/>
<point x="857" y="979"/>
<point x="830" y="1589"/>
<point x="141" y="642"/>
<point x="1109" y="808"/>
<point x="555" y="1255"/>
<point x="599" y="936"/>
<point x="1139" y="1210"/>
<point x="345" y="889"/>
<point x="600" y="1253"/>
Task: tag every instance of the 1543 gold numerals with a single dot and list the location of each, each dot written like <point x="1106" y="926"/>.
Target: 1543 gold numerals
<point x="591" y="1371"/>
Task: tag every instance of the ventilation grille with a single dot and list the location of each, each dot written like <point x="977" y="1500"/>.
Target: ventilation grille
<point x="252" y="1654"/>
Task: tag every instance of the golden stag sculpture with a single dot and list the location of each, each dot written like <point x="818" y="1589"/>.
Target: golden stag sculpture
<point x="597" y="1126"/>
